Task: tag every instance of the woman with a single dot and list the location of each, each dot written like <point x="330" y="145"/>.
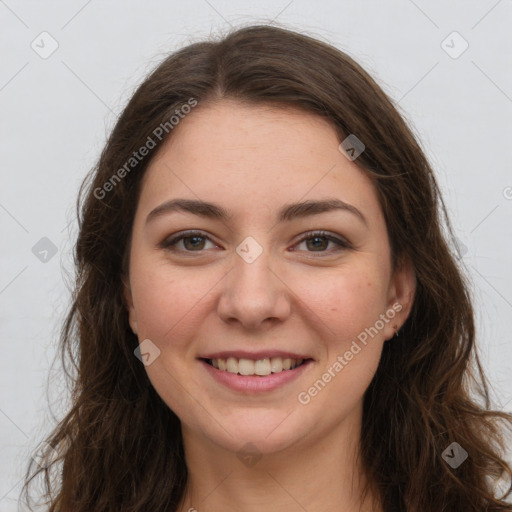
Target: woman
<point x="267" y="314"/>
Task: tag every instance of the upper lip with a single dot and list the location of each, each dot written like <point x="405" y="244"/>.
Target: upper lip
<point x="261" y="354"/>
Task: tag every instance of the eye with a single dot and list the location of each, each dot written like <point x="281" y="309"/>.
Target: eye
<point x="193" y="241"/>
<point x="318" y="241"/>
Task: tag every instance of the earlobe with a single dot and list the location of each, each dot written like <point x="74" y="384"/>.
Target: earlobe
<point x="128" y="302"/>
<point x="401" y="296"/>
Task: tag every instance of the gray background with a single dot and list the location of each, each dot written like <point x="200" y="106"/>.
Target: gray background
<point x="56" y="112"/>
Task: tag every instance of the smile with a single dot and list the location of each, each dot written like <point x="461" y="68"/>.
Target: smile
<point x="249" y="376"/>
<point x="261" y="367"/>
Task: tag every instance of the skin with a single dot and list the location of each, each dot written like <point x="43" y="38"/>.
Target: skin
<point x="252" y="161"/>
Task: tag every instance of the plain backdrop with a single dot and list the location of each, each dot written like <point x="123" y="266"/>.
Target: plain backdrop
<point x="455" y="90"/>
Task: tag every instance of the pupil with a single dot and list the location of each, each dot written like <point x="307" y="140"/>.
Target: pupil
<point x="317" y="238"/>
<point x="196" y="238"/>
<point x="317" y="242"/>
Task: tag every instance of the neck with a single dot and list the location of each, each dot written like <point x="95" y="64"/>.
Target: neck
<point x="318" y="474"/>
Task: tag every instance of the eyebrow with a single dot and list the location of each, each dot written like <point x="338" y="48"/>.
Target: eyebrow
<point x="287" y="213"/>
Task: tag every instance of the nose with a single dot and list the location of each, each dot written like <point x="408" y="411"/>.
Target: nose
<point x="254" y="295"/>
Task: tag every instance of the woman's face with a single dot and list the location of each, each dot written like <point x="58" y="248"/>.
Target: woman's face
<point x="255" y="284"/>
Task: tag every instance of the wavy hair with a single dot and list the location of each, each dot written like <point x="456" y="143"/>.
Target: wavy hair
<point x="119" y="448"/>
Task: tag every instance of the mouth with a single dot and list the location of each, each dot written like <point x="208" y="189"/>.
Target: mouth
<point x="256" y="367"/>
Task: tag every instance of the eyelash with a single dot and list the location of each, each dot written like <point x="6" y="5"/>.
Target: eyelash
<point x="170" y="243"/>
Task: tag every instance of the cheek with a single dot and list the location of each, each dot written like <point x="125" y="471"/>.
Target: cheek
<point x="349" y="306"/>
<point x="347" y="300"/>
<point x="167" y="303"/>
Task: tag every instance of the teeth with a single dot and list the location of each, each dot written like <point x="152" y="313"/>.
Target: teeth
<point x="245" y="367"/>
<point x="276" y="364"/>
<point x="232" y="365"/>
<point x="260" y="367"/>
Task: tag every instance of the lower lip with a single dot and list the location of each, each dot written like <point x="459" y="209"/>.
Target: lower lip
<point x="254" y="383"/>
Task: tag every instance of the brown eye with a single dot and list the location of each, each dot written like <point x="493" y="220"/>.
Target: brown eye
<point x="318" y="241"/>
<point x="193" y="242"/>
<point x="190" y="242"/>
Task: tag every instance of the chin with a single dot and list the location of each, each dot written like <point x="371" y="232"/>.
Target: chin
<point x="268" y="431"/>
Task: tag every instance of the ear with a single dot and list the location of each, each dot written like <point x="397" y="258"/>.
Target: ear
<point x="128" y="302"/>
<point x="401" y="293"/>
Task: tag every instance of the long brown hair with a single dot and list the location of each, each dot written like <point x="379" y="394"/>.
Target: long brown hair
<point x="120" y="448"/>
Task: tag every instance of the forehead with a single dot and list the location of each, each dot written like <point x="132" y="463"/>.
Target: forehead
<point x="255" y="158"/>
<point x="233" y="133"/>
